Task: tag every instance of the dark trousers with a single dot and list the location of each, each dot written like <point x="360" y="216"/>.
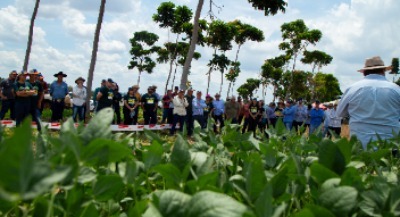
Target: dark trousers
<point x="22" y="110"/>
<point x="57" y="110"/>
<point x="200" y="119"/>
<point x="245" y="125"/>
<point x="128" y="120"/>
<point x="252" y="124"/>
<point x="170" y="116"/>
<point x="240" y="119"/>
<point x="220" y="119"/>
<point x="150" y="117"/>
<point x="272" y="122"/>
<point x="177" y="119"/>
<point x="297" y="125"/>
<point x="6" y="105"/>
<point x="117" y="111"/>
<point x="189" y="124"/>
<point x="336" y="130"/>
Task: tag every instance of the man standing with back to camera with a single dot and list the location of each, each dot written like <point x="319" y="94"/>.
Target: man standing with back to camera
<point x="373" y="104"/>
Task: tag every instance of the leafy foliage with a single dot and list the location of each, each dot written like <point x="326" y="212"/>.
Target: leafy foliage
<point x="230" y="174"/>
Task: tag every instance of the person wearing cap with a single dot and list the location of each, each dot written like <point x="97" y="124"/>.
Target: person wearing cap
<point x="300" y="115"/>
<point x="198" y="109"/>
<point x="8" y="96"/>
<point x="79" y="94"/>
<point x="58" y="91"/>
<point x="316" y="117"/>
<point x="96" y="91"/>
<point x="189" y="112"/>
<point x="232" y="109"/>
<point x="130" y="109"/>
<point x="105" y="96"/>
<point x="373" y="104"/>
<point x="149" y="106"/>
<point x="23" y="92"/>
<point x="335" y="122"/>
<point x="36" y="98"/>
<point x="219" y="111"/>
<point x="180" y="111"/>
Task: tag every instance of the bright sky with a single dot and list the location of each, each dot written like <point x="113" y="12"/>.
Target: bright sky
<point x="64" y="29"/>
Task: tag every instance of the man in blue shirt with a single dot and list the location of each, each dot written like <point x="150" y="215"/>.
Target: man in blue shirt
<point x="58" y="91"/>
<point x="219" y="111"/>
<point x="198" y="109"/>
<point x="288" y="114"/>
<point x="316" y="117"/>
<point x="373" y="104"/>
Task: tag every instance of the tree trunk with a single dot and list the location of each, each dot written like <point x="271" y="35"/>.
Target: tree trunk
<point x="94" y="56"/>
<point x="169" y="75"/>
<point x="30" y="36"/>
<point x="229" y="89"/>
<point x="209" y="79"/>
<point x="138" y="80"/>
<point x="195" y="36"/>
<point x="222" y="82"/>
<point x="173" y="80"/>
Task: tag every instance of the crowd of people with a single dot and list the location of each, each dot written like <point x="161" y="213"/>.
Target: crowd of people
<point x="373" y="106"/>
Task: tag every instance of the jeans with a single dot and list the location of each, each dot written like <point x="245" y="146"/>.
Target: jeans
<point x="177" y="119"/>
<point x="78" y="110"/>
<point x="289" y="125"/>
<point x="313" y="128"/>
<point x="6" y="105"/>
<point x="200" y="119"/>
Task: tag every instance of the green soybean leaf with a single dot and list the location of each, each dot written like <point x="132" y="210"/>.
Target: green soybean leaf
<point x="320" y="173"/>
<point x="171" y="174"/>
<point x="89" y="211"/>
<point x="340" y="200"/>
<point x="103" y="151"/>
<point x="254" y="174"/>
<point x="331" y="157"/>
<point x="99" y="126"/>
<point x="264" y="204"/>
<point x="41" y="206"/>
<point x="312" y="210"/>
<point x="211" y="204"/>
<point x="107" y="187"/>
<point x="180" y="155"/>
<point x="152" y="155"/>
<point x="16" y="160"/>
<point x="173" y="203"/>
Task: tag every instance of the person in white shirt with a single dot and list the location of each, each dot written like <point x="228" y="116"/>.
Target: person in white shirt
<point x="334" y="121"/>
<point x="79" y="94"/>
<point x="180" y="104"/>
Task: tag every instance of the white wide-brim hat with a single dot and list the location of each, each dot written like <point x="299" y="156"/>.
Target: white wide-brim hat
<point x="374" y="63"/>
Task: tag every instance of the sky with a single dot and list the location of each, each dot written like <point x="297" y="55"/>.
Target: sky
<point x="353" y="30"/>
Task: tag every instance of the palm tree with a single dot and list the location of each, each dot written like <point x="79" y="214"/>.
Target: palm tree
<point x="94" y="55"/>
<point x="30" y="37"/>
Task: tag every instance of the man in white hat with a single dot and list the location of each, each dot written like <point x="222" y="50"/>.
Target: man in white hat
<point x="373" y="104"/>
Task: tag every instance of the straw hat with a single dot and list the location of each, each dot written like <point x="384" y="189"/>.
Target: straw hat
<point x="374" y="63"/>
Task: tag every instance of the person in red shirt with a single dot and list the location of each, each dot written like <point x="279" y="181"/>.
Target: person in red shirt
<point x="168" y="107"/>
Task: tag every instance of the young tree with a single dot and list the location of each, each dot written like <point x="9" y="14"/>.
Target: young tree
<point x="175" y="18"/>
<point x="220" y="36"/>
<point x="94" y="56"/>
<point x="327" y="87"/>
<point x="247" y="89"/>
<point x="142" y="48"/>
<point x="272" y="72"/>
<point x="316" y="58"/>
<point x="243" y="33"/>
<point x="296" y="37"/>
<point x="30" y="36"/>
<point x="269" y="8"/>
